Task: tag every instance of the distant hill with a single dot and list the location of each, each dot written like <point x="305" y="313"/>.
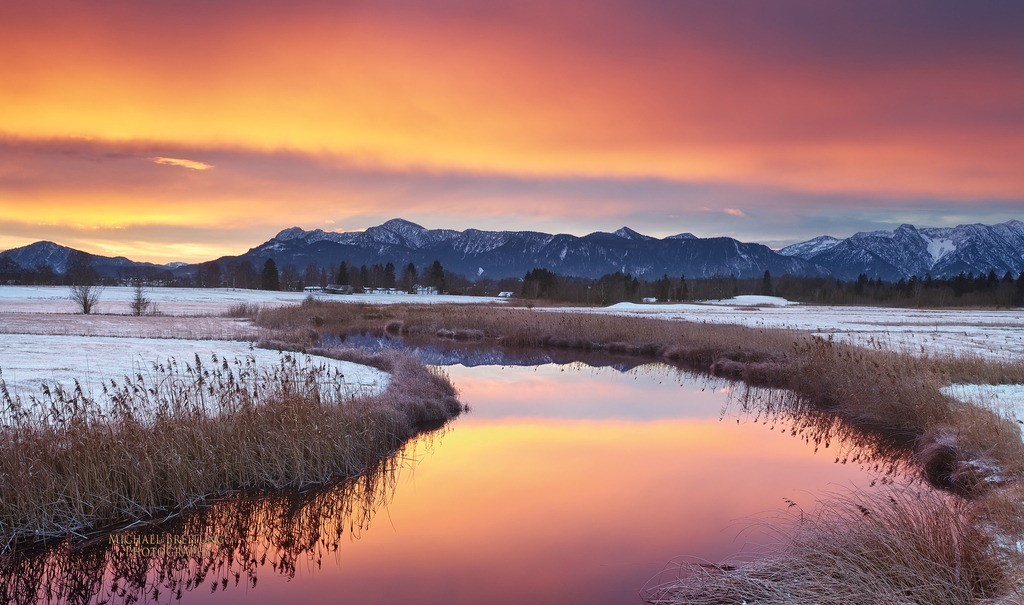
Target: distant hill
<point x="57" y="258"/>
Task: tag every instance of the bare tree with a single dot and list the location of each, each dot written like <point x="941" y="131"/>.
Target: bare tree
<point x="86" y="296"/>
<point x="140" y="302"/>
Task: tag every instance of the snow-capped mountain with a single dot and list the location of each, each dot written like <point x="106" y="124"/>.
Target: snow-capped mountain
<point x="890" y="255"/>
<point x="811" y="247"/>
<point x="907" y="251"/>
<point x="512" y="253"/>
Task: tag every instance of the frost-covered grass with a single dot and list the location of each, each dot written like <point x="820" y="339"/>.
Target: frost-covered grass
<point x="29" y="362"/>
<point x="193" y="301"/>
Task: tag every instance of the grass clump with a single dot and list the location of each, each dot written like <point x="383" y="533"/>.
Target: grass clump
<point x="182" y="434"/>
<point x="897" y="545"/>
<point x="228" y="544"/>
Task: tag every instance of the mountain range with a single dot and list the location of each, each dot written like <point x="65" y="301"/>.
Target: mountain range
<point x="907" y="251"/>
<point x="889" y="255"/>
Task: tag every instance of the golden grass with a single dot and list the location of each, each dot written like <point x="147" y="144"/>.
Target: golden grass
<point x="898" y="545"/>
<point x="185" y="433"/>
<point x="227" y="545"/>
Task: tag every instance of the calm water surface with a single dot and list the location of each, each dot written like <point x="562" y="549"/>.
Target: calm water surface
<point x="564" y="484"/>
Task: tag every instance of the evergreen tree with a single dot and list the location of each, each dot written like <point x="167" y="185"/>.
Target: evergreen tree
<point x="343" y="277"/>
<point x="409" y="278"/>
<point x="766" y="284"/>
<point x="389" y="275"/>
<point x="270" y="280"/>
<point x="435" y="276"/>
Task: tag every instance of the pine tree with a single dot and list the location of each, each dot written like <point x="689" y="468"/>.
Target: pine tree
<point x="409" y="278"/>
<point x="435" y="276"/>
<point x="766" y="284"/>
<point x="270" y="280"/>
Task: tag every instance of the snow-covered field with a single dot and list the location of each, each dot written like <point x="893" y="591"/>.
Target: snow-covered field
<point x="30" y="360"/>
<point x="195" y="301"/>
<point x="991" y="333"/>
<point x="1006" y="399"/>
<point x="148" y="326"/>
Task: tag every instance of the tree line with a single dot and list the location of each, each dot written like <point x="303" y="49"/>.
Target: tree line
<point x="963" y="290"/>
<point x="243" y="274"/>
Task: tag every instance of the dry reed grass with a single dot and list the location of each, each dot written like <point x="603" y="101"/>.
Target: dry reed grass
<point x="225" y="545"/>
<point x="898" y="545"/>
<point x="186" y="433"/>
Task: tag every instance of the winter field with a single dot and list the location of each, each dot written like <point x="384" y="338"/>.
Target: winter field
<point x="28" y="361"/>
<point x="997" y="334"/>
<point x="195" y="301"/>
<point x="121" y="341"/>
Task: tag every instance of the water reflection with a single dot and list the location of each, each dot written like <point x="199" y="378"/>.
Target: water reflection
<point x="565" y="484"/>
<point x="448" y="352"/>
<point x="224" y="547"/>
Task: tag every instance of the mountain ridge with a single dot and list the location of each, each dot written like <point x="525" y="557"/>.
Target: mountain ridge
<point x="897" y="254"/>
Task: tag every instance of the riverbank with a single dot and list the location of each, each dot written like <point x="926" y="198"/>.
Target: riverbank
<point x="175" y="437"/>
<point x="967" y="450"/>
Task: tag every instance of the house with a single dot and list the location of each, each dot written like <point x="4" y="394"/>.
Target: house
<point x="504" y="295"/>
<point x="312" y="289"/>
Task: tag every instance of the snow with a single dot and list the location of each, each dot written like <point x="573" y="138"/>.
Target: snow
<point x="1006" y="399"/>
<point x="752" y="299"/>
<point x="147" y="326"/>
<point x="997" y="334"/>
<point x="30" y="360"/>
<point x="810" y="248"/>
<point x="194" y="301"/>
<point x="938" y="248"/>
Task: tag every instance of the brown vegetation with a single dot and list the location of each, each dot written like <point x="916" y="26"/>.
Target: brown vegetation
<point x="898" y="545"/>
<point x="178" y="435"/>
<point x="218" y="547"/>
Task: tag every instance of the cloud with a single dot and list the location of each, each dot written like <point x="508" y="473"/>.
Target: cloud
<point x="918" y="97"/>
<point x="110" y="197"/>
<point x="191" y="164"/>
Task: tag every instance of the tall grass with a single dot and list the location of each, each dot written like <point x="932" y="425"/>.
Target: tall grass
<point x="181" y="434"/>
<point x="897" y="545"/>
<point x="227" y="545"/>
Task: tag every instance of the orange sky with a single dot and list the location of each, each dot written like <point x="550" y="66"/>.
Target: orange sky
<point x="799" y="118"/>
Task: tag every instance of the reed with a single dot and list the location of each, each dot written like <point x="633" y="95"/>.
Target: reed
<point x="229" y="544"/>
<point x="897" y="545"/>
<point x="181" y="434"/>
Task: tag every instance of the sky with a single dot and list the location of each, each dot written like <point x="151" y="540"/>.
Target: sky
<point x="186" y="130"/>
